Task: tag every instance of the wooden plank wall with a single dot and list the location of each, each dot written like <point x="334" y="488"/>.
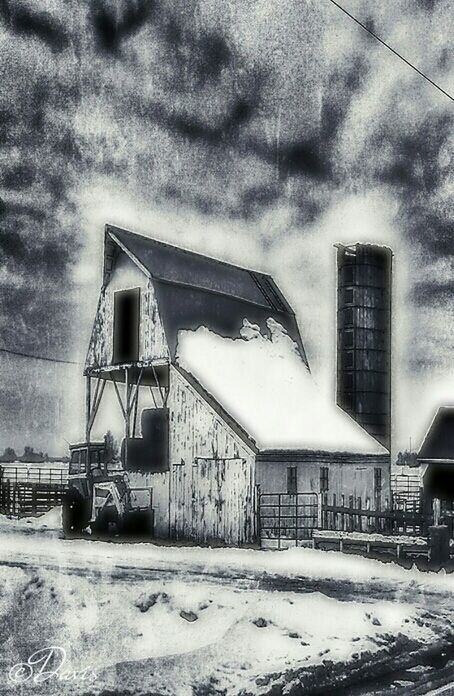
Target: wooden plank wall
<point x="213" y="500"/>
<point x="152" y="341"/>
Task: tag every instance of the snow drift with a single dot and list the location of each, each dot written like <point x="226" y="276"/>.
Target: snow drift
<point x="265" y="385"/>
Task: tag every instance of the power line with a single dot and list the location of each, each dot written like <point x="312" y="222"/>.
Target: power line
<point x="38" y="357"/>
<point x="363" y="26"/>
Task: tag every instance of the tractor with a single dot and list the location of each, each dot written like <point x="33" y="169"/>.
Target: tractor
<point x="101" y="497"/>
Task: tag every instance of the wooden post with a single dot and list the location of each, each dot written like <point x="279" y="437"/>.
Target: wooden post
<point x="126" y="413"/>
<point x="127" y="404"/>
<point x="87" y="408"/>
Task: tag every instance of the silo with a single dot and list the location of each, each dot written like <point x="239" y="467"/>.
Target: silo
<point x="364" y="336"/>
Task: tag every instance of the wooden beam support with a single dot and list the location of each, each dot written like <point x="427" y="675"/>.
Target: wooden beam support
<point x="157" y="382"/>
<point x="97" y="401"/>
<point x="128" y="405"/>
<point x="135" y="401"/>
<point x="152" y="394"/>
<point x="87" y="407"/>
<point x="119" y="397"/>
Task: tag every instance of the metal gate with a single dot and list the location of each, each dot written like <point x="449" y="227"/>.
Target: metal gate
<point x="287" y="519"/>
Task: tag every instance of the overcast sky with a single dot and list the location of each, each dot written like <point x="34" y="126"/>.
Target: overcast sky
<point x="260" y="131"/>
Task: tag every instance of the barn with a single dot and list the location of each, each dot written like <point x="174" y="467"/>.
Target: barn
<point x="221" y="413"/>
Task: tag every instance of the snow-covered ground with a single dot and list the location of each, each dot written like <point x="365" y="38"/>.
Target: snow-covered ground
<point x="189" y="620"/>
<point x="234" y="638"/>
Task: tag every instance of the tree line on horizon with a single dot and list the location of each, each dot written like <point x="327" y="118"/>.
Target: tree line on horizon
<point x="29" y="455"/>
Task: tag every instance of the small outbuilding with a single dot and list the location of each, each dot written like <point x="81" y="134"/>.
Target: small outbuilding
<point x="437" y="456"/>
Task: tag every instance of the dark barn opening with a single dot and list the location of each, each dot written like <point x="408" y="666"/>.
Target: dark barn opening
<point x="126" y="326"/>
<point x="149" y="453"/>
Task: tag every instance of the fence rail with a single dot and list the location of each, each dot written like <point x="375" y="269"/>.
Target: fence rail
<point x="33" y="474"/>
<point x="25" y="499"/>
<point x="409" y="520"/>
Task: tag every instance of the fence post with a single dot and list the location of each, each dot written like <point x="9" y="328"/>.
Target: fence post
<point x="352" y="506"/>
<point x="258" y="514"/>
<point x="279" y="522"/>
<point x="296" y="519"/>
<point x="438" y="546"/>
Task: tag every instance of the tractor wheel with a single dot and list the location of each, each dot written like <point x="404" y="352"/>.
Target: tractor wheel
<point x="75" y="515"/>
<point x="105" y="523"/>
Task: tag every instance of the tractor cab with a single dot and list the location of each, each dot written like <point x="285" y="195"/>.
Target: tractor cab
<point x="87" y="469"/>
<point x="87" y="460"/>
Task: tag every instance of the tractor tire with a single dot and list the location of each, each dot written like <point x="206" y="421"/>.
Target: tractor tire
<point x="75" y="515"/>
<point x="106" y="524"/>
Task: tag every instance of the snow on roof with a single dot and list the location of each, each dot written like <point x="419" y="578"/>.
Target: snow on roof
<point x="264" y="384"/>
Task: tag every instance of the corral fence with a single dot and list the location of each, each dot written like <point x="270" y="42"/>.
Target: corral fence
<point x="406" y="488"/>
<point x="33" y="474"/>
<point x="408" y="518"/>
<point x="287" y="519"/>
<point x="23" y="495"/>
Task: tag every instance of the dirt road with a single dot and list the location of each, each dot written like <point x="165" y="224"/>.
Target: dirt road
<point x="403" y="668"/>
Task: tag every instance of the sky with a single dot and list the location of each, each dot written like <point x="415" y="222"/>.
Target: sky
<point x="259" y="131"/>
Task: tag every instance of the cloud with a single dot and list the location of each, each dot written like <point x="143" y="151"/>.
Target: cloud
<point x="112" y="24"/>
<point x="27" y="22"/>
<point x="282" y="126"/>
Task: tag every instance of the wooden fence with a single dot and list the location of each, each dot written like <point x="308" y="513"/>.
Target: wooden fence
<point x="22" y="499"/>
<point x="407" y="519"/>
<point x="33" y="474"/>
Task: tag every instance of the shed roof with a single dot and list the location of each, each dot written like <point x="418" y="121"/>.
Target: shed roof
<point x="438" y="442"/>
<point x="195" y="290"/>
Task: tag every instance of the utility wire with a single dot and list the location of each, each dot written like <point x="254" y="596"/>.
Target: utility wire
<point x="363" y="26"/>
<point x="38" y="357"/>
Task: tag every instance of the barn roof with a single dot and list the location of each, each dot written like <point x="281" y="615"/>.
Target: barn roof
<point x="265" y="386"/>
<point x="195" y="290"/>
<point x="439" y="440"/>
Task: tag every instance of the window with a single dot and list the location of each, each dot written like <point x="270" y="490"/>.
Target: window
<point x="126" y="326"/>
<point x="292" y="482"/>
<point x="348" y="380"/>
<point x="74" y="463"/>
<point x="348" y="359"/>
<point x="348" y="295"/>
<point x="348" y="274"/>
<point x="377" y="481"/>
<point x="348" y="338"/>
<point x="348" y="316"/>
<point x="377" y="488"/>
<point x="324" y="480"/>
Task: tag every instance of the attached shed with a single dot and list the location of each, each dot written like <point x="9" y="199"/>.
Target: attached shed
<point x="219" y="406"/>
<point x="437" y="455"/>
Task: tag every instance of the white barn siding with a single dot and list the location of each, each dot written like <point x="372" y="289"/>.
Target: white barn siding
<point x="211" y="482"/>
<point x="213" y="500"/>
<point x="152" y="341"/>
<point x="346" y="479"/>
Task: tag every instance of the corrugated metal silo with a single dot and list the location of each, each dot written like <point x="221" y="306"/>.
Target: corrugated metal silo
<point x="364" y="336"/>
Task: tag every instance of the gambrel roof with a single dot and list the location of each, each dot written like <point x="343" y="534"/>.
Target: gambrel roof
<point x="193" y="290"/>
<point x="438" y="442"/>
